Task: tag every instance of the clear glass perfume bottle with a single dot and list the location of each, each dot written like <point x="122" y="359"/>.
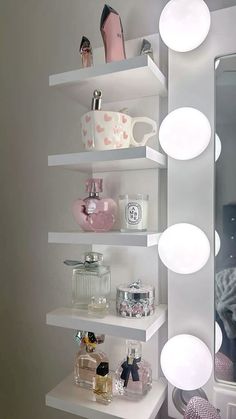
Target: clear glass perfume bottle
<point x="134" y="375"/>
<point x="88" y="358"/>
<point x="91" y="284"/>
<point x="95" y="213"/>
<point x="102" y="384"/>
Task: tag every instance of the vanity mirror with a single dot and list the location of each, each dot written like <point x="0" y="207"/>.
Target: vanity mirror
<point x="225" y="219"/>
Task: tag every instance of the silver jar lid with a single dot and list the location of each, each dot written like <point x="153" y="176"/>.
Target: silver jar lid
<point x="93" y="257"/>
<point x="135" y="291"/>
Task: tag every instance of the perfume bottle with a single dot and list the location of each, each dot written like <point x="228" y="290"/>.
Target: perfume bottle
<point x="94" y="213"/>
<point x="112" y="34"/>
<point x="91" y="284"/>
<point x="88" y="358"/>
<point x="102" y="384"/>
<point x="134" y="375"/>
<point x="86" y="52"/>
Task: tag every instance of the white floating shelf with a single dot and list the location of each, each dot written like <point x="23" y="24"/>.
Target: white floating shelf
<point x="137" y="329"/>
<point x="112" y="238"/>
<point x="136" y="158"/>
<point x="78" y="401"/>
<point x="133" y="78"/>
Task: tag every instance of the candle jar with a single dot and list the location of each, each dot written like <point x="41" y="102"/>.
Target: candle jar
<point x="133" y="212"/>
<point x="135" y="300"/>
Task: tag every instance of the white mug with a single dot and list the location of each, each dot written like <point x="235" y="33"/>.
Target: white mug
<point x="105" y="130"/>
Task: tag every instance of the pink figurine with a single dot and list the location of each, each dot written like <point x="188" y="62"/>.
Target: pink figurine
<point x="94" y="213"/>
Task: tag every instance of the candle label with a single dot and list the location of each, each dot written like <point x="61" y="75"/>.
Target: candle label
<point x="133" y="213"/>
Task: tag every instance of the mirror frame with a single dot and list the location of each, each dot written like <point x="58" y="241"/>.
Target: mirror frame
<point x="191" y="196"/>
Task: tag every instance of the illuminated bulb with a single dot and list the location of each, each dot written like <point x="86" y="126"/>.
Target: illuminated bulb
<point x="184" y="248"/>
<point x="186" y="362"/>
<point x="218" y="337"/>
<point x="185" y="133"/>
<point x="184" y="24"/>
<point x="217" y="243"/>
<point x="218" y="147"/>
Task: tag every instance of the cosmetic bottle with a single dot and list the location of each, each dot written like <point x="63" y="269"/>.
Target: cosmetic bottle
<point x="102" y="384"/>
<point x="134" y="375"/>
<point x="88" y="358"/>
<point x="135" y="300"/>
<point x="112" y="34"/>
<point x="94" y="213"/>
<point x="91" y="284"/>
<point x="86" y="52"/>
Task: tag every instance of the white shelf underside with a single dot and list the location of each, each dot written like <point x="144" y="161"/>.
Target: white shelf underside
<point x="137" y="329"/>
<point x="133" y="78"/>
<point x="139" y="158"/>
<point x="112" y="238"/>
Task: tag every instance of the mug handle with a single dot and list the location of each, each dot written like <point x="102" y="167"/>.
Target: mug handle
<point x="146" y="136"/>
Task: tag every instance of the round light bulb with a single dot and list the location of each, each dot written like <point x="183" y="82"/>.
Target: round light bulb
<point x="184" y="248"/>
<point x="217" y="243"/>
<point x="184" y="24"/>
<point x="185" y="133"/>
<point x="218" y="337"/>
<point x="186" y="362"/>
<point x="218" y="147"/>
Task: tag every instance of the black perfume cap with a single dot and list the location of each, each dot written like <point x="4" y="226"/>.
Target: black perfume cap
<point x="105" y="13"/>
<point x="103" y="369"/>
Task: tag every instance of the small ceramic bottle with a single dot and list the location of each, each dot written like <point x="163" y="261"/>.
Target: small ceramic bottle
<point x="134" y="375"/>
<point x="102" y="384"/>
<point x="94" y="213"/>
<point x="91" y="284"/>
<point x="88" y="358"/>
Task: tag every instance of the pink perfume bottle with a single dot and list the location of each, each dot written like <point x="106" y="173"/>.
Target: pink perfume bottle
<point x="112" y="34"/>
<point x="134" y="375"/>
<point x="94" y="213"/>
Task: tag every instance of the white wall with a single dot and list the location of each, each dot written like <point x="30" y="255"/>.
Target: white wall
<point x="39" y="38"/>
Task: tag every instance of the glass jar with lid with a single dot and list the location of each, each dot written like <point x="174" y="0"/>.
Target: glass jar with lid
<point x="135" y="300"/>
<point x="91" y="283"/>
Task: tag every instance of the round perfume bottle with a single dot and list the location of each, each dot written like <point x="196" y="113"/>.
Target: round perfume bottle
<point x="134" y="375"/>
<point x="94" y="213"/>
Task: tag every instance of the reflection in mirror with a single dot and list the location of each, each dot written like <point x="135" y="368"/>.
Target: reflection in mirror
<point x="225" y="211"/>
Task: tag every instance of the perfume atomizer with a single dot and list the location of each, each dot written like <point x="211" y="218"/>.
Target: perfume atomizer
<point x="86" y="52"/>
<point x="146" y="48"/>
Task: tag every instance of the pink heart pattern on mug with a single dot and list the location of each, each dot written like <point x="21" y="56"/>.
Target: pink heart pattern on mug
<point x="107" y="141"/>
<point x="87" y="119"/>
<point x="125" y="136"/>
<point x="90" y="143"/>
<point x="107" y="117"/>
<point x="124" y="119"/>
<point x="85" y="132"/>
<point x="99" y="128"/>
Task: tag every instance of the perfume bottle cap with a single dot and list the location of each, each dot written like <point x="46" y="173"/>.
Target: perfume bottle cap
<point x="94" y="185"/>
<point x="103" y="369"/>
<point x="92" y="257"/>
<point x="134" y="349"/>
<point x="85" y="44"/>
<point x="88" y="338"/>
<point x="97" y="100"/>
